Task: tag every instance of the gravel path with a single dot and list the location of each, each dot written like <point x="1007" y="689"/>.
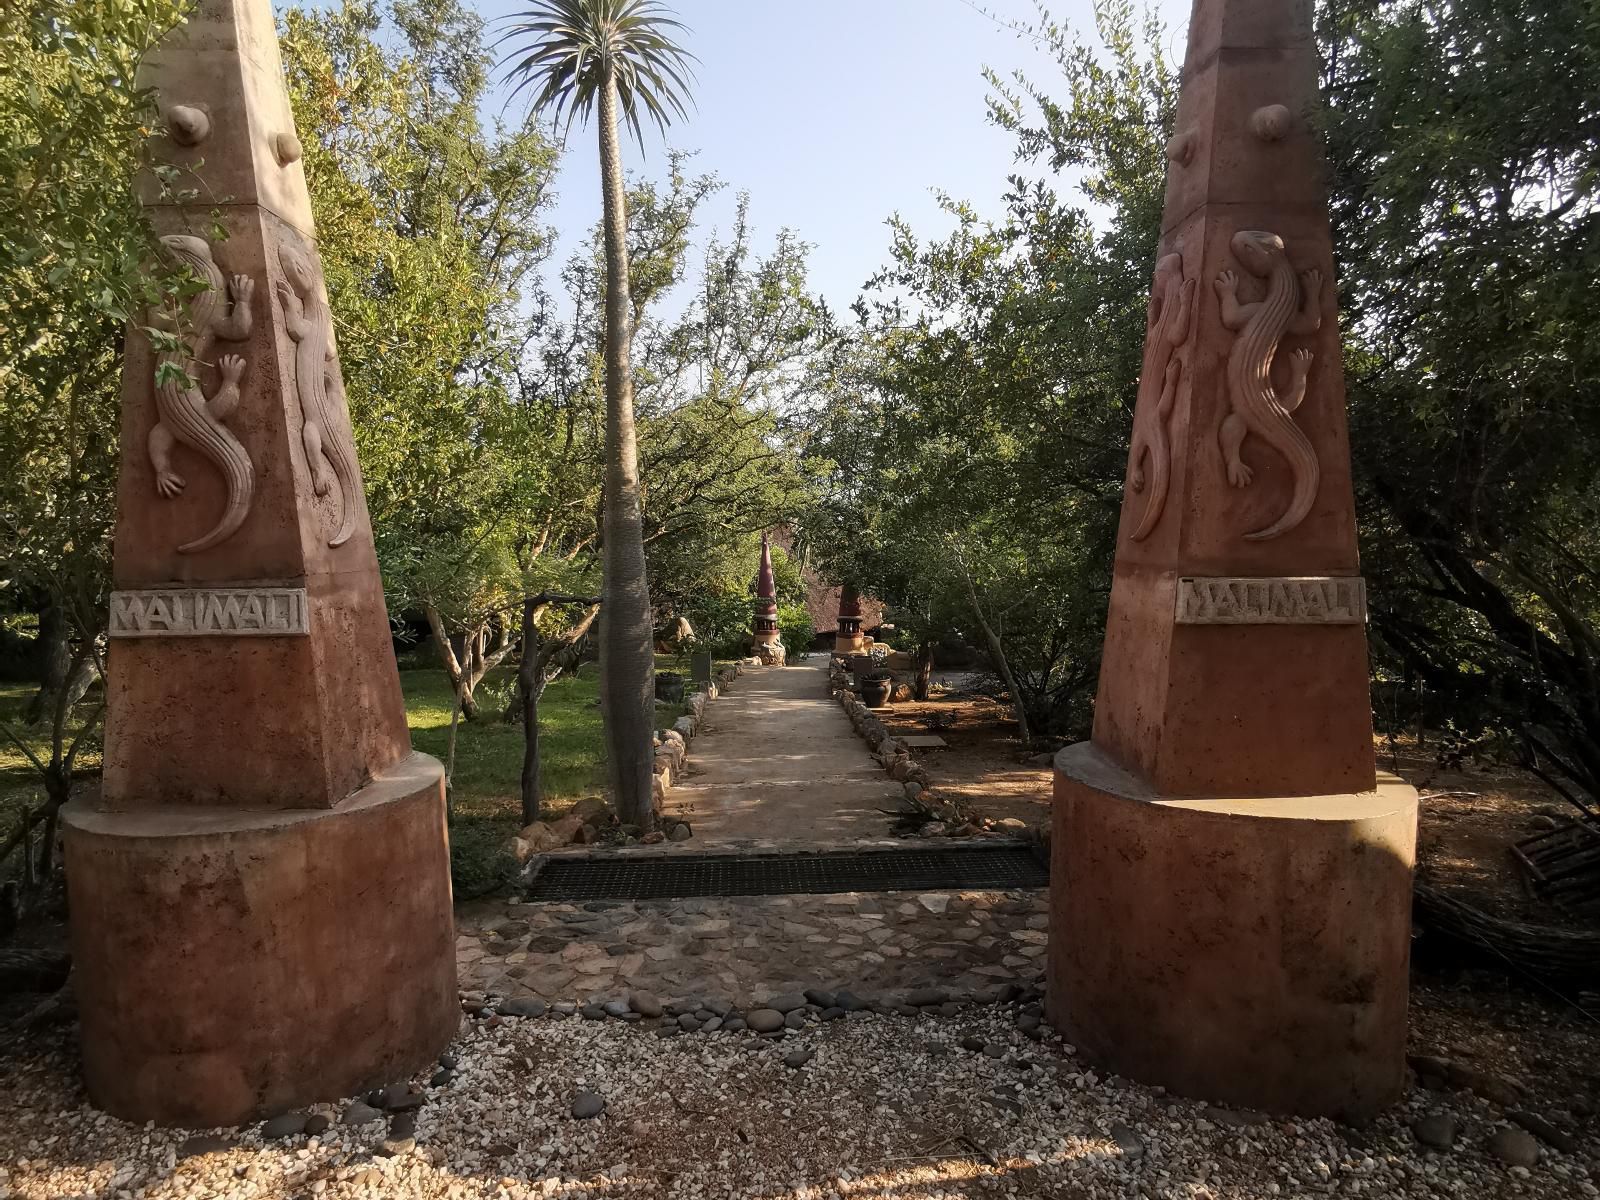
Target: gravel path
<point x="869" y="1104"/>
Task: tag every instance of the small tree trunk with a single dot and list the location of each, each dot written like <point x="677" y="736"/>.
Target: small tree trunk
<point x="997" y="655"/>
<point x="924" y="670"/>
<point x="455" y="671"/>
<point x="528" y="686"/>
<point x="627" y="650"/>
<point x="57" y="663"/>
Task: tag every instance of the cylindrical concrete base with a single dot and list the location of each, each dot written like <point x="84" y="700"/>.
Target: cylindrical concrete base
<point x="1246" y="951"/>
<point x="234" y="964"/>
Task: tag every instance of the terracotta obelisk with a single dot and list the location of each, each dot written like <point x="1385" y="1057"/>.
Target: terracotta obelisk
<point x="1232" y="877"/>
<point x="847" y="640"/>
<point x="764" y="624"/>
<point x="260" y="892"/>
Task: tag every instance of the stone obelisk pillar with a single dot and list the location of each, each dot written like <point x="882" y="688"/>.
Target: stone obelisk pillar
<point x="260" y="892"/>
<point x="1231" y="884"/>
<point x="764" y="625"/>
<point x="848" y="640"/>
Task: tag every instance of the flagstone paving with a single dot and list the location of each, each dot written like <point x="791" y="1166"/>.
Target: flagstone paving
<point x="777" y="762"/>
<point x="742" y="949"/>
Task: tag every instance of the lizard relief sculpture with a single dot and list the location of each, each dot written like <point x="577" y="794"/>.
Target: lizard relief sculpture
<point x="307" y="319"/>
<point x="1293" y="305"/>
<point x="183" y="413"/>
<point x="1166" y="328"/>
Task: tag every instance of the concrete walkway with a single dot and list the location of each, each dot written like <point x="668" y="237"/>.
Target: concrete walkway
<point x="777" y="761"/>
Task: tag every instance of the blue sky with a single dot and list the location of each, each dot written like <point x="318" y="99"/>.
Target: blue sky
<point x="834" y="114"/>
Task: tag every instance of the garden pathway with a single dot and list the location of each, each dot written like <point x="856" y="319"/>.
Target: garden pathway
<point x="777" y="762"/>
<point x="776" y="765"/>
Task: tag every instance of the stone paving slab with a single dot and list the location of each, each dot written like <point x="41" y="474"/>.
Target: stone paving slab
<point x="743" y="949"/>
<point x="777" y="762"/>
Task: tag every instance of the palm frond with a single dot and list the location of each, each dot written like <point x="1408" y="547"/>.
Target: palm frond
<point x="563" y="49"/>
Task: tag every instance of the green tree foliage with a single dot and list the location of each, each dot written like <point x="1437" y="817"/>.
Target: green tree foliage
<point x="1468" y="244"/>
<point x="977" y="434"/>
<point x="77" y="262"/>
<point x="431" y="224"/>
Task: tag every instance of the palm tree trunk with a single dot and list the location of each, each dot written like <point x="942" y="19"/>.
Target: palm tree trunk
<point x="627" y="661"/>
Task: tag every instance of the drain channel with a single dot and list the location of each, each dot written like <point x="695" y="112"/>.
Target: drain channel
<point x="985" y="868"/>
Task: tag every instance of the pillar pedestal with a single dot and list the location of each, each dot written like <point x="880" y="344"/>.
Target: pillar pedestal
<point x="1251" y="952"/>
<point x="231" y="963"/>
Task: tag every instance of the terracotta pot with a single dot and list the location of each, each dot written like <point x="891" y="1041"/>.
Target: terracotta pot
<point x="875" y="692"/>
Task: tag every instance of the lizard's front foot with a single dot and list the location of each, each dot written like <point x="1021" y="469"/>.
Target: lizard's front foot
<point x="232" y="367"/>
<point x="323" y="482"/>
<point x="169" y="483"/>
<point x="243" y="287"/>
<point x="1238" y="474"/>
<point x="1227" y="284"/>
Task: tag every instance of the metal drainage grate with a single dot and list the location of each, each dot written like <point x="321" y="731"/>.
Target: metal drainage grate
<point x="987" y="868"/>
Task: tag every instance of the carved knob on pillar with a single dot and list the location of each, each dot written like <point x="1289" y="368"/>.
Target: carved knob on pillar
<point x="1271" y="122"/>
<point x="186" y="125"/>
<point x="287" y="148"/>
<point x="1180" y="149"/>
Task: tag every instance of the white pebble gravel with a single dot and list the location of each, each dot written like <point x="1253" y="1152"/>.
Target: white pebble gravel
<point x="888" y="1106"/>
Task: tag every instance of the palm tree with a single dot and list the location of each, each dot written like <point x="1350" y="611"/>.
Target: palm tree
<point x="617" y="55"/>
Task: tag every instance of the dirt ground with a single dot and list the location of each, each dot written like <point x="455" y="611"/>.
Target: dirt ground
<point x="1470" y="815"/>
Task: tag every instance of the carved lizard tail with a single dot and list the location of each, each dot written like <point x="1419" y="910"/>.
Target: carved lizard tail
<point x="1304" y="469"/>
<point x="1159" y="459"/>
<point x="335" y="447"/>
<point x="222" y="448"/>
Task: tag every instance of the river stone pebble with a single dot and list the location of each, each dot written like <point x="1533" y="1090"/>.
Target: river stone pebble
<point x="735" y="1024"/>
<point x="645" y="1004"/>
<point x="360" y="1113"/>
<point x="616" y="1008"/>
<point x="927" y="997"/>
<point x="1127" y="1141"/>
<point x="588" y="1104"/>
<point x="820" y="998"/>
<point x="688" y="1023"/>
<point x="973" y="1042"/>
<point x="798" y="1058"/>
<point x="764" y="1020"/>
<point x="522" y="1006"/>
<point x="796" y="1019"/>
<point x="399" y="1097"/>
<point x="711" y="1026"/>
<point x="403" y="1125"/>
<point x="1514" y="1147"/>
<point x="592" y="1012"/>
<point x="317" y="1124"/>
<point x="831" y="1014"/>
<point x="285" y="1125"/>
<point x="850" y="1002"/>
<point x="1437" y="1131"/>
<point x="787" y="1002"/>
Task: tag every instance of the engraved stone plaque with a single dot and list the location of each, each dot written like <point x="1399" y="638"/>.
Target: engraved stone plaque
<point x="210" y="612"/>
<point x="1306" y="600"/>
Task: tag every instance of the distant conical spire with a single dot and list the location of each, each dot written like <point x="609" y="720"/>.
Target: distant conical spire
<point x="764" y="627"/>
<point x="766" y="587"/>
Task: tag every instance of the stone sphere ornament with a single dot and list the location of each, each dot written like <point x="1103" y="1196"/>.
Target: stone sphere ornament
<point x="187" y="125"/>
<point x="1271" y="122"/>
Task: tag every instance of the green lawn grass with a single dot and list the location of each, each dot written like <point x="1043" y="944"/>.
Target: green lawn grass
<point x="485" y="796"/>
<point x="486" y="805"/>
